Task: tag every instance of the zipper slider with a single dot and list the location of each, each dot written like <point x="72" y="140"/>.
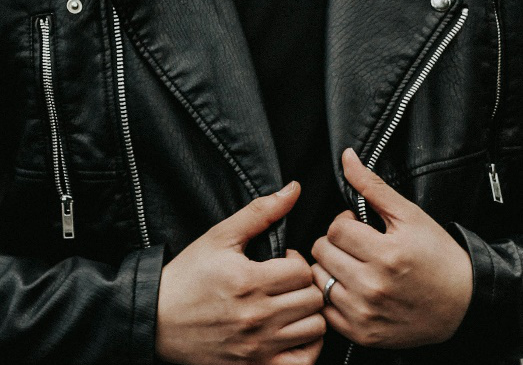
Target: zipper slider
<point x="67" y="217"/>
<point x="495" y="184"/>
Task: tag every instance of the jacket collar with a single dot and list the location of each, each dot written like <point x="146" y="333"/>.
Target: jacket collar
<point x="197" y="49"/>
<point x="372" y="47"/>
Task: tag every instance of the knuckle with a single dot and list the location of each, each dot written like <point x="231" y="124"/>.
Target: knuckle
<point x="366" y="316"/>
<point x="251" y="320"/>
<point x="306" y="276"/>
<point x="249" y="352"/>
<point x="335" y="230"/>
<point x="376" y="293"/>
<point x="318" y="298"/>
<point x="394" y="261"/>
<point x="317" y="249"/>
<point x="322" y="326"/>
<point x="310" y="358"/>
<point x="241" y="283"/>
<point x="260" y="208"/>
<point x="368" y="339"/>
<point x="376" y="180"/>
<point x="257" y="206"/>
<point x="372" y="185"/>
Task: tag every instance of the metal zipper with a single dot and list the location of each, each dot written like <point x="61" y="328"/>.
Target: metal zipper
<point x="495" y="184"/>
<point x="376" y="153"/>
<point x="371" y="164"/>
<point x="349" y="354"/>
<point x="61" y="175"/>
<point x="126" y="131"/>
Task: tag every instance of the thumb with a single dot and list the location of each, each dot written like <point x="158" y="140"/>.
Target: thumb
<point x="257" y="216"/>
<point x="389" y="204"/>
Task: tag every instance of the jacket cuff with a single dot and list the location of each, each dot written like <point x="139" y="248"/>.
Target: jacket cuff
<point x="489" y="321"/>
<point x="147" y="282"/>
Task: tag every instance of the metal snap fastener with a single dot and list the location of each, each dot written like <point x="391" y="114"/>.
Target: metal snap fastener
<point x="74" y="6"/>
<point x="441" y="5"/>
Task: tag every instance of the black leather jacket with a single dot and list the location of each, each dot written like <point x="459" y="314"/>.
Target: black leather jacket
<point x="142" y="127"/>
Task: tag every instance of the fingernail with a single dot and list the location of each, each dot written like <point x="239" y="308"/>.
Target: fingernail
<point x="289" y="188"/>
<point x="349" y="152"/>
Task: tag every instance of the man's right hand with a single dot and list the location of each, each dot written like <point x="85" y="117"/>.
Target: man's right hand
<point x="218" y="307"/>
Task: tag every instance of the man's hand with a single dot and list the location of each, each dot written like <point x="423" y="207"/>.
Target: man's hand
<point x="218" y="307"/>
<point x="408" y="287"/>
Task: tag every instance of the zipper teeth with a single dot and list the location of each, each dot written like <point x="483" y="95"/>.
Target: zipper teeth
<point x="124" y="117"/>
<point x="415" y="87"/>
<point x="59" y="166"/>
<point x="349" y="354"/>
<point x="500" y="59"/>
<point x="407" y="98"/>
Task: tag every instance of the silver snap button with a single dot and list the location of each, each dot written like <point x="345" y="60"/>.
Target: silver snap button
<point x="74" y="6"/>
<point x="441" y="5"/>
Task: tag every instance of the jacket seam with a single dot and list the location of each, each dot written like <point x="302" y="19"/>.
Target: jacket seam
<point x="432" y="167"/>
<point x="444" y="164"/>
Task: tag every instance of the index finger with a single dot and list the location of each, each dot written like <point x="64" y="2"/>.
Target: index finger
<point x="282" y="275"/>
<point x="355" y="238"/>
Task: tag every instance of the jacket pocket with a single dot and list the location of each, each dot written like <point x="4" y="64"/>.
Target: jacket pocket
<point x="59" y="161"/>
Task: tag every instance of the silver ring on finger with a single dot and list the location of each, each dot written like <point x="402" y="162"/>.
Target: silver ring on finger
<point x="327" y="290"/>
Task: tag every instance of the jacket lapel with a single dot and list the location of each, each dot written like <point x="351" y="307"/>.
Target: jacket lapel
<point x="197" y="48"/>
<point x="371" y="45"/>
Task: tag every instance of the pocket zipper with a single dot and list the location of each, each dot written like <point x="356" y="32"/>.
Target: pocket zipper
<point x="61" y="174"/>
<point x="495" y="184"/>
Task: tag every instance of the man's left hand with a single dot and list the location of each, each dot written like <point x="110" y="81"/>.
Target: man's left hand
<point x="408" y="287"/>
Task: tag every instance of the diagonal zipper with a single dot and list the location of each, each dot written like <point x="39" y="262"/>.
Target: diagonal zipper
<point x="376" y="153"/>
<point x="61" y="174"/>
<point x="126" y="132"/>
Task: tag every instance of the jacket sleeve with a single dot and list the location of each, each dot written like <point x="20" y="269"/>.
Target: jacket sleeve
<point x="79" y="311"/>
<point x="493" y="325"/>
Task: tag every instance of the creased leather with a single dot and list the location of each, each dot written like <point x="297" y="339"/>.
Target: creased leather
<point x="204" y="150"/>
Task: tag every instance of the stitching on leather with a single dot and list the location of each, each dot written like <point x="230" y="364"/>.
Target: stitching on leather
<point x="85" y="173"/>
<point x="444" y="164"/>
<point x="428" y="168"/>
<point x="511" y="149"/>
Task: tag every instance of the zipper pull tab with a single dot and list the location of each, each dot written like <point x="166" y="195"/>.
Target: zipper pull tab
<point x="495" y="184"/>
<point x="67" y="217"/>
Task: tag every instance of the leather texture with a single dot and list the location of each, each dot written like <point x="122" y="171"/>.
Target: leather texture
<point x="204" y="149"/>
